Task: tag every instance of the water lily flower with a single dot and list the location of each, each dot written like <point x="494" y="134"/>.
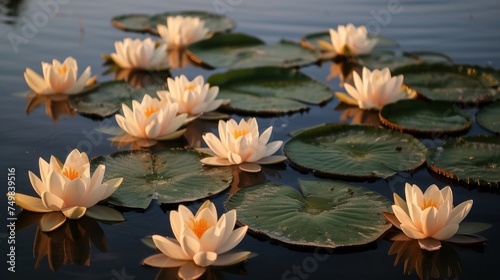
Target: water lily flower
<point x="240" y="144"/>
<point x="67" y="188"/>
<point x="58" y="78"/>
<point x="376" y="89"/>
<point x="201" y="240"/>
<point x="351" y="40"/>
<point x="152" y="119"/>
<point x="140" y="54"/>
<point x="182" y="31"/>
<point x="428" y="217"/>
<point x="193" y="97"/>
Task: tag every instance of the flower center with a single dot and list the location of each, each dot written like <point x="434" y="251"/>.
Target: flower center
<point x="239" y="133"/>
<point x="189" y="87"/>
<point x="199" y="227"/>
<point x="62" y="70"/>
<point x="150" y="110"/>
<point x="429" y="203"/>
<point x="71" y="173"/>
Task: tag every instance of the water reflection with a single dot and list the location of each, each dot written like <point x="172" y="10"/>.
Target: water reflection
<point x="70" y="243"/>
<point x="356" y="115"/>
<point x="138" y="78"/>
<point x="56" y="106"/>
<point x="12" y="9"/>
<point x="211" y="273"/>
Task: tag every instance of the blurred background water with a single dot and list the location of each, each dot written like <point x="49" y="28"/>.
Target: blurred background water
<point x="465" y="30"/>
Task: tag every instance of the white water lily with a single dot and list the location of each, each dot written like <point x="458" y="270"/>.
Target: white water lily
<point x="429" y="217"/>
<point x="193" y="97"/>
<point x="376" y="89"/>
<point x="152" y="119"/>
<point x="182" y="31"/>
<point x="68" y="188"/>
<point x="351" y="40"/>
<point x="201" y="240"/>
<point x="140" y="54"/>
<point x="58" y="78"/>
<point x="240" y="144"/>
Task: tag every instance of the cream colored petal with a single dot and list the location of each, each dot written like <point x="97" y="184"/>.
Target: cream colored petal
<point x="189" y="245"/>
<point x="272" y="147"/>
<point x="74" y="192"/>
<point x="215" y="144"/>
<point x="37" y="184"/>
<point x="233" y="240"/>
<point x="97" y="177"/>
<point x="400" y="202"/>
<point x="401" y="215"/>
<point x="175" y="224"/>
<point x="250" y="167"/>
<point x="190" y="271"/>
<point x="215" y="161"/>
<point x="93" y="196"/>
<point x="460" y="212"/>
<point x="173" y="135"/>
<point x="74" y="212"/>
<point x="80" y="83"/>
<point x="234" y="158"/>
<point x="429" y="221"/>
<point x="31" y="203"/>
<point x="231" y="258"/>
<point x="185" y="214"/>
<point x="51" y="221"/>
<point x="429" y="244"/>
<point x="55" y="184"/>
<point x="111" y="186"/>
<point x="35" y="81"/>
<point x="52" y="201"/>
<point x="170" y="247"/>
<point x="204" y="259"/>
<point x="346" y="98"/>
<point x="412" y="232"/>
<point x="161" y="260"/>
<point x="446" y="232"/>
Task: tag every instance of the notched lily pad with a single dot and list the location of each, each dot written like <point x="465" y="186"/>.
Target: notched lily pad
<point x="324" y="214"/>
<point x="489" y="117"/>
<point x="131" y="22"/>
<point x="456" y="83"/>
<point x="420" y="116"/>
<point x="171" y="176"/>
<point x="108" y="98"/>
<point x="269" y="90"/>
<point x="236" y="50"/>
<point x="471" y="159"/>
<point x="361" y="151"/>
<point x="379" y="59"/>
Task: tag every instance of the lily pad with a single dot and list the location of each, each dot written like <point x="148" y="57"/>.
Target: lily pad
<point x="269" y="90"/>
<point x="311" y="40"/>
<point x="235" y="50"/>
<point x="471" y="159"/>
<point x="379" y="59"/>
<point x="420" y="116"/>
<point x="456" y="83"/>
<point x="108" y="98"/>
<point x="324" y="214"/>
<point x="171" y="176"/>
<point x="489" y="117"/>
<point x="147" y="23"/>
<point x="361" y="151"/>
<point x="213" y="22"/>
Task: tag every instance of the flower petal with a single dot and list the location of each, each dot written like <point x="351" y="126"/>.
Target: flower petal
<point x="204" y="259"/>
<point x="233" y="240"/>
<point x="161" y="260"/>
<point x="74" y="212"/>
<point x="51" y="221"/>
<point x="52" y="201"/>
<point x="215" y="161"/>
<point x="250" y="167"/>
<point x="31" y="203"/>
<point x="231" y="258"/>
<point x="170" y="248"/>
<point x="446" y="232"/>
<point x="429" y="244"/>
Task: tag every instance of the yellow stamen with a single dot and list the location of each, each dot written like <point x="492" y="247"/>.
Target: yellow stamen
<point x="239" y="133"/>
<point x="71" y="173"/>
<point x="62" y="70"/>
<point x="190" y="87"/>
<point x="429" y="203"/>
<point x="198" y="227"/>
<point x="150" y="110"/>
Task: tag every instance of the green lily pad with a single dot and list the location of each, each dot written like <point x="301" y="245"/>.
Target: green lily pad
<point x="311" y="40"/>
<point x="213" y="22"/>
<point x="172" y="176"/>
<point x="471" y="159"/>
<point x="147" y="23"/>
<point x="324" y="214"/>
<point x="489" y="117"/>
<point x="131" y="22"/>
<point x="379" y="59"/>
<point x="456" y="83"/>
<point x="269" y="90"/>
<point x="236" y="50"/>
<point x="354" y="151"/>
<point x="108" y="98"/>
<point x="420" y="116"/>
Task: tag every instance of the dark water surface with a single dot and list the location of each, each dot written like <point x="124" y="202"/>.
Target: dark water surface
<point x="465" y="30"/>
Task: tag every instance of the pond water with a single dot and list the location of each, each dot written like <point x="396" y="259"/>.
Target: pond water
<point x="465" y="30"/>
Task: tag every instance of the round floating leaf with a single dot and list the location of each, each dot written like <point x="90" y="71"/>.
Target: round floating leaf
<point x="355" y="151"/>
<point x="379" y="59"/>
<point x="489" y="117"/>
<point x="456" y="83"/>
<point x="131" y="22"/>
<point x="311" y="40"/>
<point x="420" y="116"/>
<point x="472" y="159"/>
<point x="108" y="98"/>
<point x="213" y="22"/>
<point x="324" y="214"/>
<point x="244" y="51"/>
<point x="269" y="90"/>
<point x="172" y="176"/>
